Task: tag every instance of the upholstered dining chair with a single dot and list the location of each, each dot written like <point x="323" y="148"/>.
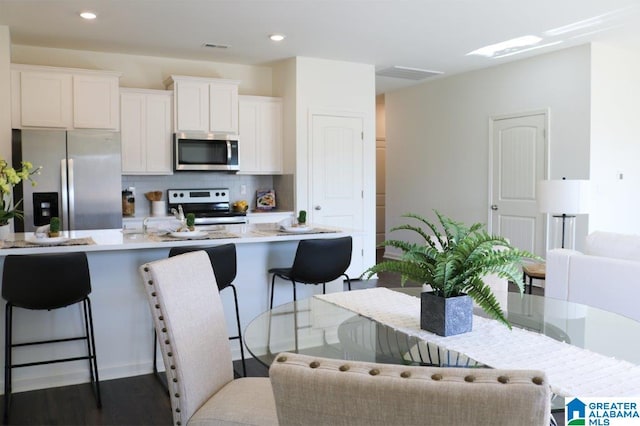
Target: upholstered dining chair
<point x="189" y="319"/>
<point x="223" y="259"/>
<point x="319" y="391"/>
<point x="317" y="261"/>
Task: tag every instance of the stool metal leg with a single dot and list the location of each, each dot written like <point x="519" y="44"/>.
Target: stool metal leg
<point x="348" y="281"/>
<point x="7" y="360"/>
<point x="91" y="346"/>
<point x="273" y="283"/>
<point x="239" y="337"/>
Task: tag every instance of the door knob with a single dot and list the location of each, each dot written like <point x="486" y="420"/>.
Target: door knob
<point x="494" y="207"/>
<point x="318" y="207"/>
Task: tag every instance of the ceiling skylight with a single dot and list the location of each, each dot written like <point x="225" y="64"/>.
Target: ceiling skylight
<point x="505" y="48"/>
<point x="515" y="52"/>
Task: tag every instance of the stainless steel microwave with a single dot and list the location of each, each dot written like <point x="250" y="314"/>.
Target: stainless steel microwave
<point x="205" y="152"/>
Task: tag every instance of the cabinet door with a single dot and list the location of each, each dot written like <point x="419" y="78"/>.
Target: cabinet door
<point x="248" y="143"/>
<point x="260" y="135"/>
<point x="95" y="102"/>
<point x="146" y="132"/>
<point x="192" y="106"/>
<point x="158" y="132"/>
<point x="45" y="99"/>
<point x="223" y="108"/>
<point x="132" y="133"/>
<point x="270" y="152"/>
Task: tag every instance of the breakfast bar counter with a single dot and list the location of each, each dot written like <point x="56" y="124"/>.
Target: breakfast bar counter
<point x="121" y="316"/>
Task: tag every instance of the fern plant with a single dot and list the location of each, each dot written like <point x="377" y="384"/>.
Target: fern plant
<point x="454" y="261"/>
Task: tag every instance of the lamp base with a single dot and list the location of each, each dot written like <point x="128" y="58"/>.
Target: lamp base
<point x="563" y="232"/>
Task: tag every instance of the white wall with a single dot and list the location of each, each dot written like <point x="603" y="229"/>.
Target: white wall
<point x="5" y="93"/>
<point x="311" y="85"/>
<point x="615" y="140"/>
<point x="438" y="132"/>
<point x="284" y="86"/>
<point x="146" y="72"/>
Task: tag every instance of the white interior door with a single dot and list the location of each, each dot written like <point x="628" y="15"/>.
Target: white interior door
<point x="519" y="148"/>
<point x="337" y="176"/>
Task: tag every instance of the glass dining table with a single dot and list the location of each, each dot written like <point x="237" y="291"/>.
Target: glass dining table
<point x="316" y="327"/>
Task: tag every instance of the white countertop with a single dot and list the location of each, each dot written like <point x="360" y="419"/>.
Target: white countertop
<point x="115" y="239"/>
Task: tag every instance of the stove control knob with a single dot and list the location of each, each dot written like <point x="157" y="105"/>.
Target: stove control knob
<point x="223" y="194"/>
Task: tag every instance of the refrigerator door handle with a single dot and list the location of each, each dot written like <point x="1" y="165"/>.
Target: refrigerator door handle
<point x="72" y="210"/>
<point x="63" y="193"/>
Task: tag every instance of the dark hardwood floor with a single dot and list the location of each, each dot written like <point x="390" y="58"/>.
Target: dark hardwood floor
<point x="139" y="400"/>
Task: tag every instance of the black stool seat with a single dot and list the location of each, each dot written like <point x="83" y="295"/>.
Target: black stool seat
<point x="317" y="261"/>
<point x="224" y="263"/>
<point x="47" y="282"/>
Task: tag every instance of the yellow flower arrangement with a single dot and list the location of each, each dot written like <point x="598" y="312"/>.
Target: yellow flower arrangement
<point x="10" y="177"/>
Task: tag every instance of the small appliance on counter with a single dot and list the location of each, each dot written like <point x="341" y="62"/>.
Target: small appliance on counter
<point x="211" y="206"/>
<point x="128" y="202"/>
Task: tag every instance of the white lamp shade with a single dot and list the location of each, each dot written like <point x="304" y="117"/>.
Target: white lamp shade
<point x="563" y="196"/>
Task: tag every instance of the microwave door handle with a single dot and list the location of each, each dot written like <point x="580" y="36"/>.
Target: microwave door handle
<point x="228" y="152"/>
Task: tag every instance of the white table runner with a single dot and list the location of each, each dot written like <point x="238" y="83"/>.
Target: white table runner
<point x="572" y="371"/>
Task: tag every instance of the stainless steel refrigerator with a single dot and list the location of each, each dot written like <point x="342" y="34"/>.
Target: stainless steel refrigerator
<point x="80" y="180"/>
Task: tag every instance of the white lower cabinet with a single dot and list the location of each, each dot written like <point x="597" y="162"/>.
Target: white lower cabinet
<point x="146" y="131"/>
<point x="260" y="127"/>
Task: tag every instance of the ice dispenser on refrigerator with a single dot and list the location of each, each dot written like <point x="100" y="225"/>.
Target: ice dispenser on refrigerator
<point x="45" y="206"/>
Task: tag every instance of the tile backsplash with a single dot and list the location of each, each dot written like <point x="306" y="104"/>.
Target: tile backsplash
<point x="145" y="183"/>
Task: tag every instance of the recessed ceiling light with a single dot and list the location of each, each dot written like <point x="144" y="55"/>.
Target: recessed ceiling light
<point x="506" y="47"/>
<point x="88" y="15"/>
<point x="276" y="37"/>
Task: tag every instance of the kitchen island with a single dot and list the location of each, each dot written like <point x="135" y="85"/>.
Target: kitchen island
<point x="121" y="314"/>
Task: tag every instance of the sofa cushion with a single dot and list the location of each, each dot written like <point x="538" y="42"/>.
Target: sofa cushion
<point x="610" y="244"/>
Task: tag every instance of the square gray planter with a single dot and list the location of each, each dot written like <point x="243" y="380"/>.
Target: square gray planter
<point x="446" y="316"/>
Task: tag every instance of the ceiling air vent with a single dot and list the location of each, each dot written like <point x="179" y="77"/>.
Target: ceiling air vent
<point x="407" y="73"/>
<point x="216" y="46"/>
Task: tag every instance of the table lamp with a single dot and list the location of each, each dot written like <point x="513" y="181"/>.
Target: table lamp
<point x="564" y="199"/>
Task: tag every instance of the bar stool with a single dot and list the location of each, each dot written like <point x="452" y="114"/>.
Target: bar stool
<point x="223" y="261"/>
<point x="47" y="282"/>
<point x="317" y="261"/>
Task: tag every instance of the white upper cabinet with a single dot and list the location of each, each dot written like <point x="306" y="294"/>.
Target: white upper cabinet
<point x="95" y="102"/>
<point x="260" y="141"/>
<point x="64" y="98"/>
<point x="192" y="106"/>
<point x="46" y="99"/>
<point x="146" y="131"/>
<point x="223" y="107"/>
<point x="205" y="104"/>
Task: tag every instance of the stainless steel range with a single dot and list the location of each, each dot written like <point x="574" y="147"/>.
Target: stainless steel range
<point x="211" y="206"/>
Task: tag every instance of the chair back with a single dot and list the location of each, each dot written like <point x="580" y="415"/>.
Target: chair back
<point x="319" y="391"/>
<point x="189" y="319"/>
<point x="319" y="261"/>
<point x="45" y="281"/>
<point x="223" y="260"/>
